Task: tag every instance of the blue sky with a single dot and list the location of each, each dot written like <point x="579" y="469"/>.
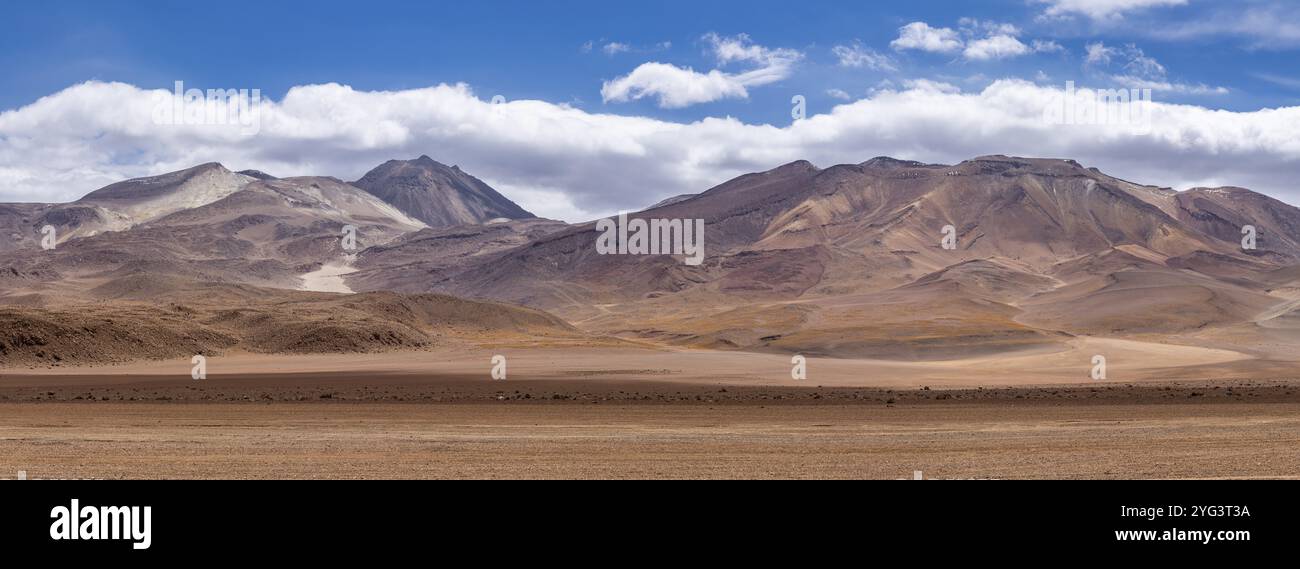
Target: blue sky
<point x="1211" y="55"/>
<point x="535" y="49"/>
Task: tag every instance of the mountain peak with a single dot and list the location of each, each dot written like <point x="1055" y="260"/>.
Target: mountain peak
<point x="153" y="187"/>
<point x="437" y="194"/>
<point x="886" y="162"/>
<point x="139" y="200"/>
<point x="1022" y="162"/>
<point x="796" y="166"/>
<point x="260" y="175"/>
<point x="1227" y="190"/>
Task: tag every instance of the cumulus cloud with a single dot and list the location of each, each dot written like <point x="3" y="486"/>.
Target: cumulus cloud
<point x="838" y="94"/>
<point x="978" y="40"/>
<point x="995" y="47"/>
<point x="1102" y="9"/>
<point x="920" y="36"/>
<point x="676" y="87"/>
<point x="565" y="162"/>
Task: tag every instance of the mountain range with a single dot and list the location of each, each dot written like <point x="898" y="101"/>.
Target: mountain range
<point x="844" y="261"/>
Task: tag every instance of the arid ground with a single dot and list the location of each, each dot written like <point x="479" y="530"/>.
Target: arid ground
<point x="657" y="414"/>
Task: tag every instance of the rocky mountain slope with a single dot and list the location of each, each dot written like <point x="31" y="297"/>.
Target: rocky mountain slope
<point x="438" y="195"/>
<point x="156" y="317"/>
<point x="119" y="206"/>
<point x="848" y="260"/>
<point x="842" y="261"/>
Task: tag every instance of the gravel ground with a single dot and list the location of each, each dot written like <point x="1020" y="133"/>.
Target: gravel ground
<point x="611" y="430"/>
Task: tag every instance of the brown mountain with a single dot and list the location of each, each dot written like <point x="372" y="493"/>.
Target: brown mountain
<point x="159" y="317"/>
<point x="119" y="206"/>
<point x="265" y="232"/>
<point x="418" y="260"/>
<point x="438" y="195"/>
<point x="840" y="261"/>
<point x="847" y="260"/>
<point x="198" y="262"/>
<point x="1222" y="212"/>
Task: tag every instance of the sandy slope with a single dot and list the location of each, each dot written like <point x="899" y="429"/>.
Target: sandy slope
<point x="328" y="278"/>
<point x="1127" y="360"/>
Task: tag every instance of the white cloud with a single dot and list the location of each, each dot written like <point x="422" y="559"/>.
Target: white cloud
<point x="995" y="47"/>
<point x="741" y="48"/>
<point x="1140" y="71"/>
<point x="931" y="86"/>
<point x="1047" y="46"/>
<point x="838" y="94"/>
<point x="975" y="27"/>
<point x="616" y="47"/>
<point x="674" y="87"/>
<point x="1266" y="24"/>
<point x="677" y="87"/>
<point x="1137" y="82"/>
<point x="1099" y="54"/>
<point x="1102" y="9"/>
<point x="569" y="163"/>
<point x="1288" y="82"/>
<point x="882" y="86"/>
<point x="772" y="64"/>
<point x="1141" y="65"/>
<point x="920" y="36"/>
<point x="978" y="40"/>
<point x="858" y="56"/>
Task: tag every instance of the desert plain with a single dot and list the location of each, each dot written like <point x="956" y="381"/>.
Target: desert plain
<point x="643" y="413"/>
